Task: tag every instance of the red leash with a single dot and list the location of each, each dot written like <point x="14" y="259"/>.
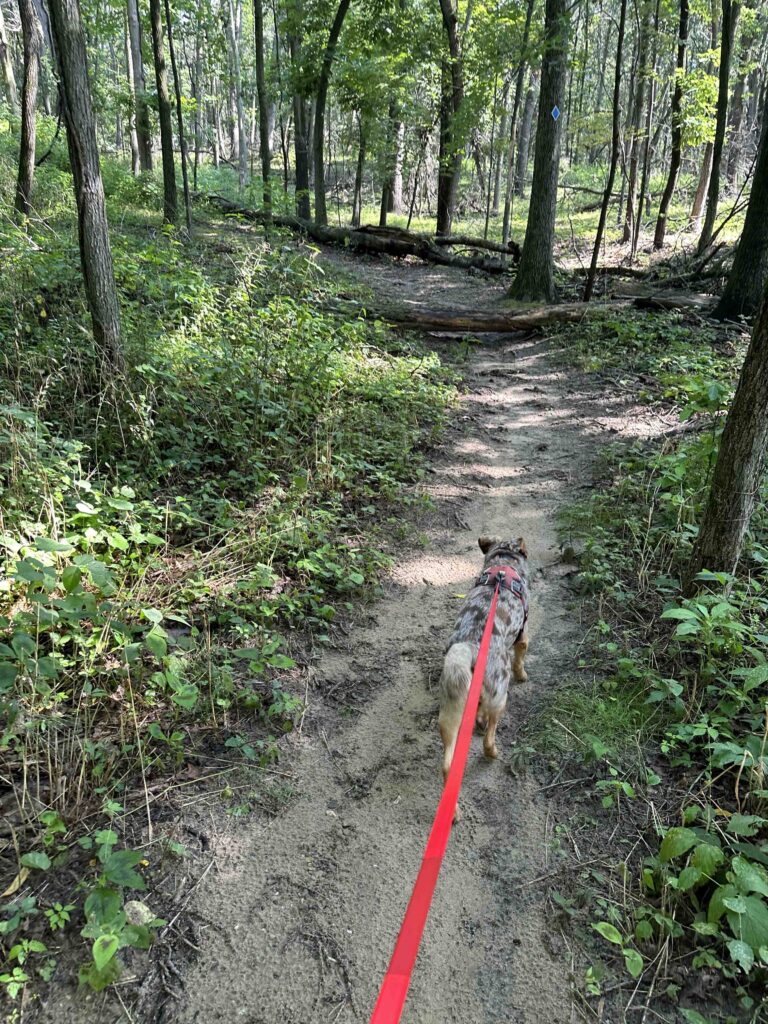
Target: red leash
<point x="394" y="988"/>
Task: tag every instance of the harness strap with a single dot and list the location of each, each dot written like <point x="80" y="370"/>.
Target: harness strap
<point x="506" y="577"/>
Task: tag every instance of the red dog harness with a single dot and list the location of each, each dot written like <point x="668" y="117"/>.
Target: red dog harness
<point x="509" y="579"/>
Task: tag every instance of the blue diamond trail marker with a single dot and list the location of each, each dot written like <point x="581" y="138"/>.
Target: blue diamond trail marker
<point x="555" y="113"/>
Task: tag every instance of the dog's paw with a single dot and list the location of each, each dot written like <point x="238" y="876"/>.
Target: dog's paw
<point x="491" y="752"/>
<point x="521" y="676"/>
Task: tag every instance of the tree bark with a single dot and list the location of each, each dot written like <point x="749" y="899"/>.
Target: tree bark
<point x="677" y="129"/>
<point x="170" y="198"/>
<point x="321" y="211"/>
<point x="33" y="44"/>
<point x="9" y="79"/>
<point x="731" y="10"/>
<point x="143" y="133"/>
<point x="95" y="252"/>
<point x="300" y="133"/>
<point x="265" y="152"/>
<point x="644" y="192"/>
<point x="749" y="273"/>
<point x="702" y="186"/>
<point x="535" y="277"/>
<point x="740" y="461"/>
<point x="233" y="22"/>
<point x="180" y="120"/>
<point x="638" y="106"/>
<point x="524" y="138"/>
<point x="451" y="100"/>
<point x="132" y="133"/>
<point x="615" y="143"/>
<point x="519" y="81"/>
<point x="357" y="195"/>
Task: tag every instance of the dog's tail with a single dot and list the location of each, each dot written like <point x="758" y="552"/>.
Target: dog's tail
<point x="454" y="687"/>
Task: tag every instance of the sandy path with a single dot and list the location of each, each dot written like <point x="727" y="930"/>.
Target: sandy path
<point x="308" y="904"/>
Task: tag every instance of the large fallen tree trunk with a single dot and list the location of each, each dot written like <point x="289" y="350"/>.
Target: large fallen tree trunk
<point x="533" y="318"/>
<point x="390" y="241"/>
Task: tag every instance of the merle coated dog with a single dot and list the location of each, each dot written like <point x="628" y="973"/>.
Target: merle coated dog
<point x="505" y="562"/>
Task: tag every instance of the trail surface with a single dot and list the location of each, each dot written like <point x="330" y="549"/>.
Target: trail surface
<point x="304" y="907"/>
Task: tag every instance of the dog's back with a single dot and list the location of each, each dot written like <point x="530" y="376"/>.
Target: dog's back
<point x="509" y="643"/>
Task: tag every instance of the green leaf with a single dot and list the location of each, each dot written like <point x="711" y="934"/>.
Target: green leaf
<point x="707" y="858"/>
<point x="749" y="878"/>
<point x="118" y="869"/>
<point x="633" y="961"/>
<point x="71" y="577"/>
<point x="676" y="842"/>
<point x="751" y="926"/>
<point x="48" y="544"/>
<point x="40" y="861"/>
<point x="679" y="613"/>
<point x="688" y="878"/>
<point x="186" y="695"/>
<point x="103" y="949"/>
<point x="741" y="954"/>
<point x="156" y="643"/>
<point x="717" y="906"/>
<point x="609" y="932"/>
<point x="103" y="905"/>
<point x="745" y="824"/>
<point x="281" y="661"/>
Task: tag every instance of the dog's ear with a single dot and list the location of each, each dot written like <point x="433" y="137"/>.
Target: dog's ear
<point x="486" y="543"/>
<point x="522" y="546"/>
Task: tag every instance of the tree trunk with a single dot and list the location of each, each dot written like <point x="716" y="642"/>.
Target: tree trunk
<point x="749" y="273"/>
<point x="143" y="133"/>
<point x="95" y="253"/>
<point x="525" y="129"/>
<point x="452" y="98"/>
<point x="390" y="158"/>
<point x="701" y="188"/>
<point x="638" y="105"/>
<point x="33" y="45"/>
<point x="357" y="195"/>
<point x="321" y="211"/>
<point x="524" y="138"/>
<point x="677" y="129"/>
<point x="615" y="143"/>
<point x="397" y="175"/>
<point x="132" y="133"/>
<point x="300" y="136"/>
<point x="499" y="153"/>
<point x="180" y="120"/>
<point x="644" y="193"/>
<point x="535" y="277"/>
<point x="196" y="78"/>
<point x="734" y="138"/>
<point x="9" y="79"/>
<point x="170" y="199"/>
<point x="265" y="152"/>
<point x="738" y="471"/>
<point x="233" y="35"/>
<point x="731" y="10"/>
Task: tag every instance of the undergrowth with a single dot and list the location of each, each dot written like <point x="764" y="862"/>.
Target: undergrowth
<point x="676" y="725"/>
<point x="165" y="534"/>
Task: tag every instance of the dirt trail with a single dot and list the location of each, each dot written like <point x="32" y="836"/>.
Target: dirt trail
<point x="304" y="908"/>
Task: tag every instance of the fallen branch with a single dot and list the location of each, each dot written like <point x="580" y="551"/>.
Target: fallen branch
<point x="390" y="241"/>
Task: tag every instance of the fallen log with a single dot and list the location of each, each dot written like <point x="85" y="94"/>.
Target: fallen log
<point x="532" y="318"/>
<point x="389" y="241"/>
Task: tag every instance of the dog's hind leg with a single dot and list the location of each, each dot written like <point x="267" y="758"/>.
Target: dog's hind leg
<point x="489" y="740"/>
<point x="518" y="665"/>
<point x="448" y="723"/>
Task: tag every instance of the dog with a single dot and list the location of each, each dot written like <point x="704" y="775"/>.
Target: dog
<point x="509" y="644"/>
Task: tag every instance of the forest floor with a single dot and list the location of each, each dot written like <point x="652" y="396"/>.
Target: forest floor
<point x="292" y="915"/>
